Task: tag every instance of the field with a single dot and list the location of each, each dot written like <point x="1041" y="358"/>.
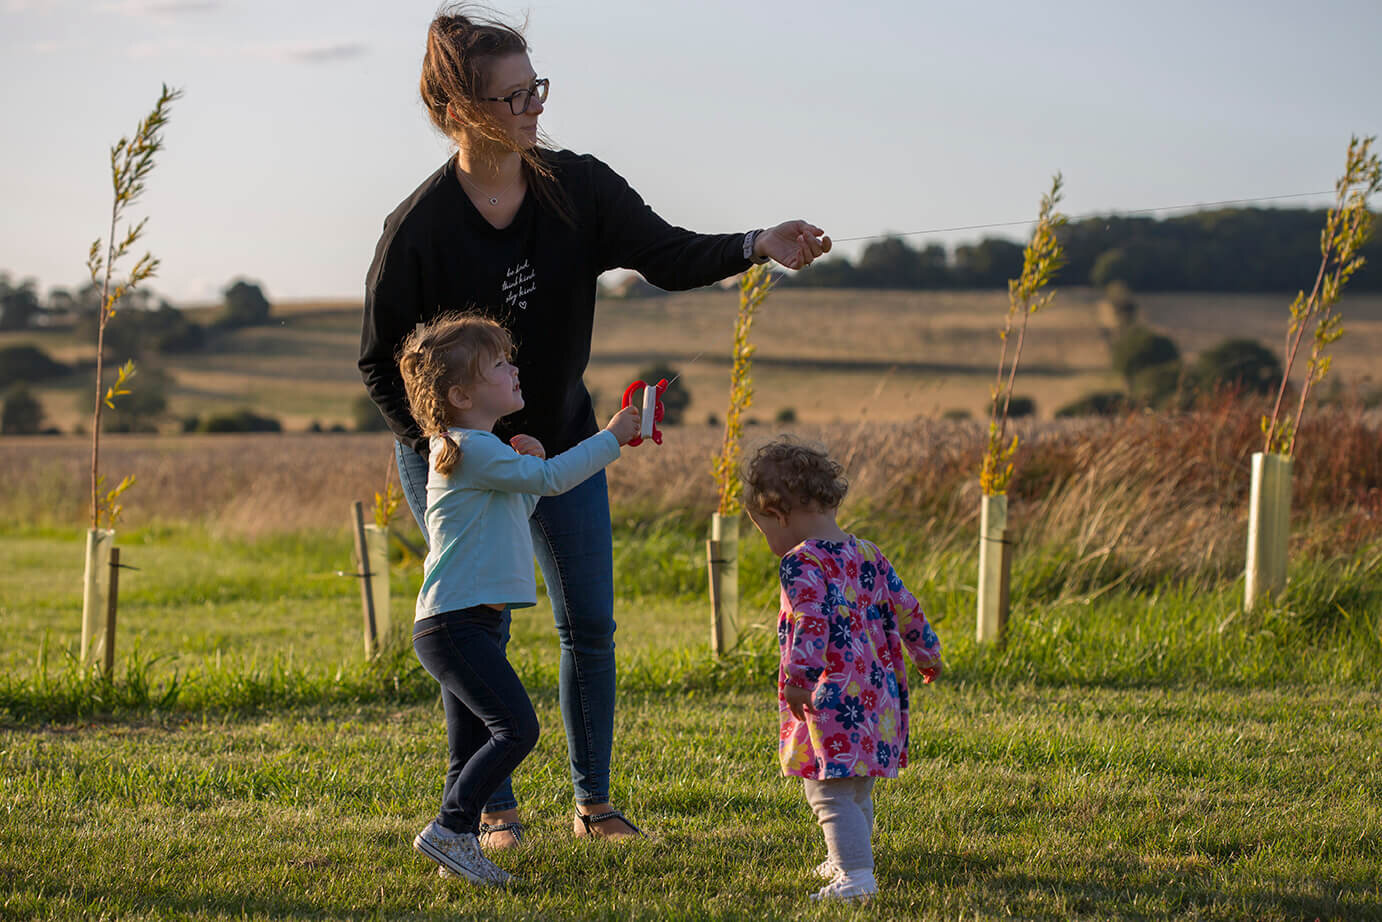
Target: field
<point x="1140" y="748"/>
<point x="1129" y="756"/>
<point x="1022" y="801"/>
<point x="889" y="356"/>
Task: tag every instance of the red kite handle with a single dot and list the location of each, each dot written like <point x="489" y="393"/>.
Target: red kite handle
<point x="659" y="389"/>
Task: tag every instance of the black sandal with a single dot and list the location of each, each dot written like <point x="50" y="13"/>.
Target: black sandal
<point x="515" y="828"/>
<point x="589" y="820"/>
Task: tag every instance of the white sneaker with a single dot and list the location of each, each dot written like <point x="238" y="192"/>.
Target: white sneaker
<point x="858" y="885"/>
<point x="826" y="870"/>
<point x="447" y="874"/>
<point x="459" y="853"/>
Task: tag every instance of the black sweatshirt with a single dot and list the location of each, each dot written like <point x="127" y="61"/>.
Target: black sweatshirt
<point x="537" y="277"/>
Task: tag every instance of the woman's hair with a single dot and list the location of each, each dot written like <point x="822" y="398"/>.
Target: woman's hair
<point x="451" y="350"/>
<point x="461" y="43"/>
<point x="786" y="475"/>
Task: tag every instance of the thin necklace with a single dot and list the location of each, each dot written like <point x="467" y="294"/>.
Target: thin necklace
<point x="493" y="199"/>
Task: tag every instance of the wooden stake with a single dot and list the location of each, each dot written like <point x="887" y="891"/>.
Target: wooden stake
<point x="366" y="589"/>
<point x="112" y="604"/>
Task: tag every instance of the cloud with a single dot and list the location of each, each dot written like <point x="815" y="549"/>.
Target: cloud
<point x="319" y="51"/>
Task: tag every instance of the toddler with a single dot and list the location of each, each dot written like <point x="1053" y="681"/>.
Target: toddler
<point x="480" y="493"/>
<point x="842" y="680"/>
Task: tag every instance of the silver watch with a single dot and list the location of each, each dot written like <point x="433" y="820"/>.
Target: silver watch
<point x="749" y="239"/>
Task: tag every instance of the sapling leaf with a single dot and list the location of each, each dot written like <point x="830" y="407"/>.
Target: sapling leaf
<point x="130" y="161"/>
<point x="1348" y="226"/>
<point x="1041" y="259"/>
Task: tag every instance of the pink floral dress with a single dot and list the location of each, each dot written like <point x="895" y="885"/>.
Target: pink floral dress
<point x="845" y="618"/>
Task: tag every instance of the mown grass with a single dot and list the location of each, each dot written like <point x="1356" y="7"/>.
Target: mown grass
<point x="1139" y="748"/>
<point x="1131" y="753"/>
<point x="244" y="626"/>
<point x="1021" y="800"/>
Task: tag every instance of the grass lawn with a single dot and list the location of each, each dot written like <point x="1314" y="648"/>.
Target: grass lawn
<point x="1129" y="755"/>
<point x="1025" y="801"/>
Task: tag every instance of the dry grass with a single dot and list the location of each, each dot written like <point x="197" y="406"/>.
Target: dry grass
<point x="245" y="485"/>
<point x="1148" y="496"/>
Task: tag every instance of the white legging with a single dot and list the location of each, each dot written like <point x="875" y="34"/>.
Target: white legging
<point x="844" y="809"/>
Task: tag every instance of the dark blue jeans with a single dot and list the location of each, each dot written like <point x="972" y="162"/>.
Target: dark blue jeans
<point x="490" y="723"/>
<point x="571" y="536"/>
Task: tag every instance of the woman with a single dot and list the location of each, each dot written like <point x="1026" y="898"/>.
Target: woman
<point x="521" y="233"/>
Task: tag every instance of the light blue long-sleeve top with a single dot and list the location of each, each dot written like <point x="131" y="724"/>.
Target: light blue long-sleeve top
<point x="480" y="550"/>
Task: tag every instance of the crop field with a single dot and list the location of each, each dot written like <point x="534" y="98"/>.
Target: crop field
<point x="827" y="355"/>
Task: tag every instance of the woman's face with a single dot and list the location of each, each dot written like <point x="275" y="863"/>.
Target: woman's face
<point x="507" y="75"/>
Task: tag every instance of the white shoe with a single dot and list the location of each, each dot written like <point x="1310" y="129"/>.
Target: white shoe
<point x="459" y="853"/>
<point x="447" y="874"/>
<point x="826" y="870"/>
<point x="859" y="885"/>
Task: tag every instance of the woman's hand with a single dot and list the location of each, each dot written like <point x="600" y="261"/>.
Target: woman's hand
<point x="794" y="244"/>
<point x="626" y="423"/>
<point x="799" y="700"/>
<point x="527" y="445"/>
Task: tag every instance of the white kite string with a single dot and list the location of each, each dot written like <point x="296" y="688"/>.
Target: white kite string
<point x="968" y="227"/>
<point x="1119" y="214"/>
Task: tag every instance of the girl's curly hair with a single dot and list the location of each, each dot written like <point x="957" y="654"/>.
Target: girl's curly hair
<point x="451" y="350"/>
<point x="786" y="475"/>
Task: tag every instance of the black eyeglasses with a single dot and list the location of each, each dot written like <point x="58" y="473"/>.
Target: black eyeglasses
<point x="519" y="100"/>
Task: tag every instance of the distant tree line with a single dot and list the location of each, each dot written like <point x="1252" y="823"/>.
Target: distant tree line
<point x="1235" y="249"/>
<point x="144" y="328"/>
<point x="145" y="323"/>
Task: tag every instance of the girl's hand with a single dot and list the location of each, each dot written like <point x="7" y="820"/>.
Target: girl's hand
<point x="626" y="424"/>
<point x="527" y="445"/>
<point x="798" y="700"/>
<point x="931" y="673"/>
<point x="794" y="244"/>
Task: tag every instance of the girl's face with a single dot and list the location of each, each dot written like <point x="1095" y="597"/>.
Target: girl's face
<point x="509" y="74"/>
<point x="494" y="394"/>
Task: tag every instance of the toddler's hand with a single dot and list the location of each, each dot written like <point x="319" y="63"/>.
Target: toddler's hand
<point x="798" y="700"/>
<point x="625" y="424"/>
<point x="929" y="674"/>
<point x="527" y="445"/>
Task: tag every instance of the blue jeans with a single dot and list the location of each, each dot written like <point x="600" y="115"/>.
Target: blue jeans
<point x="571" y="536"/>
<point x="490" y="723"/>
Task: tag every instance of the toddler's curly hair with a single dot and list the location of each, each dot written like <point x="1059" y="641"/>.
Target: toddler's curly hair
<point x="786" y="475"/>
<point x="451" y="350"/>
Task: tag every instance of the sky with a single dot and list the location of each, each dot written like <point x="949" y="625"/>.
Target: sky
<point x="300" y="127"/>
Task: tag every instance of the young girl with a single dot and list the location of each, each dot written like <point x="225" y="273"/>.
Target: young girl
<point x="480" y="492"/>
<point x="842" y="681"/>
